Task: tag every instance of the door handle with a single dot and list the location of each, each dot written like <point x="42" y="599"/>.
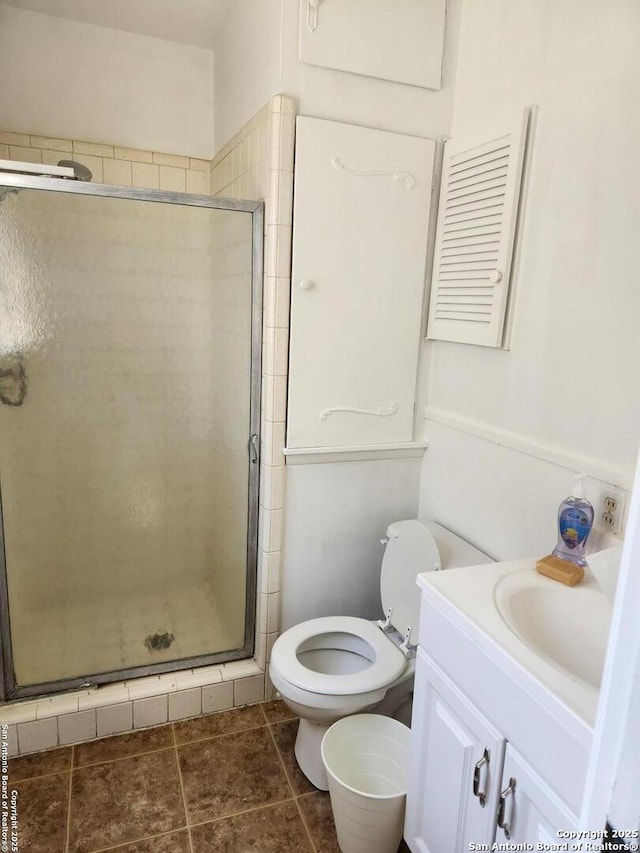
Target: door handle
<point x="477" y="773"/>
<point x="254" y="449"/>
<point x="505" y="795"/>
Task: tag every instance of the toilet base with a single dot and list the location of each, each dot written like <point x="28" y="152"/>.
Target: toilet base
<point x="307" y="752"/>
<point x="397" y="703"/>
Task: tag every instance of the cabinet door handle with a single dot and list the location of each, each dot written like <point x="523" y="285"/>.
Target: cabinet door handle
<point x="477" y="773"/>
<point x="505" y="795"/>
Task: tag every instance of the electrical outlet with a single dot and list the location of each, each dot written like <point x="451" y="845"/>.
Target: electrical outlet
<point x="610" y="511"/>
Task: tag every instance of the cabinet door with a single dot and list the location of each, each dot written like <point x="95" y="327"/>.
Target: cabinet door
<point x="451" y="745"/>
<point x="399" y="40"/>
<point x="361" y="215"/>
<point x="529" y="811"/>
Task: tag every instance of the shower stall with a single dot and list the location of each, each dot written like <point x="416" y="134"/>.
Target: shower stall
<point x="130" y="349"/>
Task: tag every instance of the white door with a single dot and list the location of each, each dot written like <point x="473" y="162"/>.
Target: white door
<point x="529" y="812"/>
<point x="454" y="775"/>
<point x="361" y="219"/>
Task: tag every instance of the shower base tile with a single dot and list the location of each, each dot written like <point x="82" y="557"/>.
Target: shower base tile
<point x="238" y="778"/>
<point x="190" y="612"/>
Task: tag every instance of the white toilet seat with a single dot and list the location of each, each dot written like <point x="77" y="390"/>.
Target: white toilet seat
<point x="387" y="664"/>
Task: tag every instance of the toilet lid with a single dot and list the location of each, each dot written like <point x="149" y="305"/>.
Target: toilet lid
<point x="410" y="551"/>
<point x="388" y="664"/>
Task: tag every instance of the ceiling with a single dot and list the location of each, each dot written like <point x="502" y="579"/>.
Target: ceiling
<point x="194" y="22"/>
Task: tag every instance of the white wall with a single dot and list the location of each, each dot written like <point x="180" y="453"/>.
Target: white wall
<point x="336" y="515"/>
<point x="502" y="500"/>
<point x="566" y="382"/>
<point x="65" y="79"/>
<point x="247" y="65"/>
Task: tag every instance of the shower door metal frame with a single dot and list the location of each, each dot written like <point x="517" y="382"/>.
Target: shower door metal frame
<point x="9" y="689"/>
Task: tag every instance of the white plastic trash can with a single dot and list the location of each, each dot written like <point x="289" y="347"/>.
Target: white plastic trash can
<point x="366" y="757"/>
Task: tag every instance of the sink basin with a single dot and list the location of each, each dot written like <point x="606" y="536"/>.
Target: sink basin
<point x="567" y="626"/>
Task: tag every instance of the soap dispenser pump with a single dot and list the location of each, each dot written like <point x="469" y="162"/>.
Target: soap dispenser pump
<point x="575" y="519"/>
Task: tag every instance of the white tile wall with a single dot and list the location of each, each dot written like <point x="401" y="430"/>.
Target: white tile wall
<point x="138" y="703"/>
<point x="39" y="735"/>
<point x="12" y="741"/>
<point x="185" y="703"/>
<point x="113" y="720"/>
<point x="111" y="164"/>
<point x="150" y="712"/>
<point x="247" y="691"/>
<point x="73" y="728"/>
<point x="258" y="164"/>
<point x="217" y="697"/>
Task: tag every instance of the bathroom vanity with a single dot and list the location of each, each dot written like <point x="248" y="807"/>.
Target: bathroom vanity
<point x="506" y="690"/>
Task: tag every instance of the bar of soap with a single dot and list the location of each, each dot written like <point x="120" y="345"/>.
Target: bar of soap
<point x="560" y="570"/>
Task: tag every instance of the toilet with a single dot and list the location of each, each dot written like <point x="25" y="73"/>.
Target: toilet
<point x="334" y="666"/>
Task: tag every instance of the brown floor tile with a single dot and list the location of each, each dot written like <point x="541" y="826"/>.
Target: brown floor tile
<point x="284" y="735"/>
<point x="42" y="814"/>
<point x="39" y="764"/>
<point x="222" y="723"/>
<point x="230" y="774"/>
<point x="277" y="829"/>
<point x="316" y="810"/>
<point x="125" y="800"/>
<point x="123" y="746"/>
<point x="176" y="842"/>
<point x="276" y="710"/>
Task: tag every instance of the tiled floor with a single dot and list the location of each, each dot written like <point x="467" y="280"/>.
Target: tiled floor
<point x="226" y="782"/>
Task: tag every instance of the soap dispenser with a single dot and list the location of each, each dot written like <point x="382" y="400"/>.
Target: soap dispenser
<point x="575" y="519"/>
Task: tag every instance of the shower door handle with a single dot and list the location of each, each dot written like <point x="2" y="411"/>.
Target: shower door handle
<point x="254" y="449"/>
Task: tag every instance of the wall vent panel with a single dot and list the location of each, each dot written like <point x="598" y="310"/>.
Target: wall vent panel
<point x="475" y="238"/>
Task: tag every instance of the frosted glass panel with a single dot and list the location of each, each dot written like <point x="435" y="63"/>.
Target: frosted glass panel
<point x="125" y="364"/>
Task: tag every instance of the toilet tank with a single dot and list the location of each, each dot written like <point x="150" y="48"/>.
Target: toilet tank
<point x="455" y="552"/>
<point x="416" y="546"/>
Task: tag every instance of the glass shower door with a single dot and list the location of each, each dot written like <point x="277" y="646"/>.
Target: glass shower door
<point x="126" y="376"/>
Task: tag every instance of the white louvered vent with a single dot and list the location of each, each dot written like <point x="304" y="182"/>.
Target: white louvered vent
<point x="474" y="239"/>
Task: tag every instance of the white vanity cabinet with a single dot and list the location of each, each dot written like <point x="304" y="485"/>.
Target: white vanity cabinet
<point x="455" y="771"/>
<point x="467" y="785"/>
<point x="529" y="812"/>
<point x="495" y="757"/>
